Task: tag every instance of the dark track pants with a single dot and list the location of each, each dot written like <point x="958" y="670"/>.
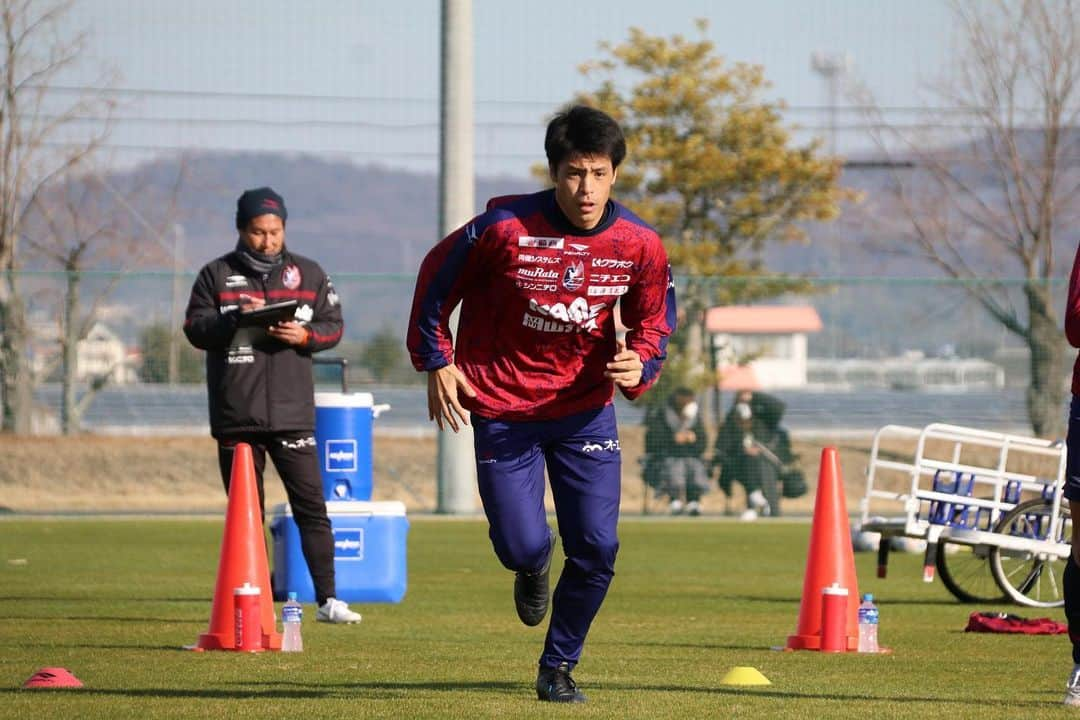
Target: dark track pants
<point x="583" y="461"/>
<point x="297" y="463"/>
<point x="1071" y="576"/>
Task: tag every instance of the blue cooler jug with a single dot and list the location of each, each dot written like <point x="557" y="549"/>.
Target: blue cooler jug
<point x="343" y="438"/>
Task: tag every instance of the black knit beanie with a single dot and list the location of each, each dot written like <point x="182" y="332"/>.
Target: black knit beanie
<point x="260" y="201"/>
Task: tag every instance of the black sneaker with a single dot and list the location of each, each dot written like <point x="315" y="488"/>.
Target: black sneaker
<point x="556" y="685"/>
<point x="531" y="591"/>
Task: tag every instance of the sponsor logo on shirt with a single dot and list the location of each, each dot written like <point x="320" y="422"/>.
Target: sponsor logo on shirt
<point x="608" y="278"/>
<point x="606" y="290"/>
<point x="531" y="241"/>
<point x="304" y="313"/>
<point x="539" y="259"/>
<point x="241" y="355"/>
<point x="574" y="276"/>
<point x="470" y="233"/>
<point x="539" y="287"/>
<point x="578" y="249"/>
<point x="560" y="318"/>
<point x="235" y="281"/>
<point x="536" y="273"/>
<point x="612" y="263"/>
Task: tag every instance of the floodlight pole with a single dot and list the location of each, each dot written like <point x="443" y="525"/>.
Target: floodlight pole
<point x="457" y="469"/>
<point x="831" y="66"/>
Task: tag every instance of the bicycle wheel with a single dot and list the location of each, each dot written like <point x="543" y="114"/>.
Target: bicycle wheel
<point x="1031" y="578"/>
<point x="965" y="572"/>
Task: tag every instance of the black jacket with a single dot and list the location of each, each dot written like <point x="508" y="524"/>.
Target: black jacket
<point x="256" y="383"/>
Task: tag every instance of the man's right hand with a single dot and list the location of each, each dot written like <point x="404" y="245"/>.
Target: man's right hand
<point x="443" y="387"/>
<point x="249" y="302"/>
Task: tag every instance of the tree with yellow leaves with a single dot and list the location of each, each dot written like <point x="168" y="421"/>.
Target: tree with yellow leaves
<point x="713" y="168"/>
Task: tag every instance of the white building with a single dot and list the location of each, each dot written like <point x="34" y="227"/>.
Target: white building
<point x="761" y="347"/>
<point x="101" y="353"/>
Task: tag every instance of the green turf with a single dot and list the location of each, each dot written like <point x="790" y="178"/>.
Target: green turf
<point x="113" y="601"/>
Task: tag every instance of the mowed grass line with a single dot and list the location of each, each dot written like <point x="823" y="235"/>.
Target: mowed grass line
<point x="115" y="600"/>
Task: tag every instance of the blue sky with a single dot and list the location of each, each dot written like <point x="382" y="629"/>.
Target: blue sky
<point x="359" y="78"/>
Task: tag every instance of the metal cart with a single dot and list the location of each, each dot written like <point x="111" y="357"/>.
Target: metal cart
<point x="989" y="506"/>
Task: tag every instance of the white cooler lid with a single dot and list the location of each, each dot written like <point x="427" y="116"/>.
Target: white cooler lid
<point x="344" y="400"/>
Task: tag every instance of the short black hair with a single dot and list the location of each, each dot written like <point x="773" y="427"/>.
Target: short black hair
<point x="582" y="130"/>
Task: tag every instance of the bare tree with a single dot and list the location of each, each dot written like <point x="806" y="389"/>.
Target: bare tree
<point x="83" y="223"/>
<point x="990" y="193"/>
<point x="37" y="145"/>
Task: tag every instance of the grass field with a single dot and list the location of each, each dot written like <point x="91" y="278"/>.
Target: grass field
<point x="114" y="600"/>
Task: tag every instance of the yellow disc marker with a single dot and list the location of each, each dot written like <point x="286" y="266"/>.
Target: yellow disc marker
<point x="744" y="676"/>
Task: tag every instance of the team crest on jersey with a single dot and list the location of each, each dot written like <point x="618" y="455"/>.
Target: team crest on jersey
<point x="574" y="276"/>
<point x="290" y="278"/>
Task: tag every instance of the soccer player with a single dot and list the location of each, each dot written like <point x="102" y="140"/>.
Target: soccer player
<point x="536" y="363"/>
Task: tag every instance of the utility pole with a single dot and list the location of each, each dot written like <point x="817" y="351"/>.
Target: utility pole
<point x="457" y="203"/>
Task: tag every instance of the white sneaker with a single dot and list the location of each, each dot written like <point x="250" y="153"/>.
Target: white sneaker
<point x="759" y="503"/>
<point x="693" y="508"/>
<point x="748" y="515"/>
<point x="1072" y="688"/>
<point x="336" y="611"/>
<point x="676" y="507"/>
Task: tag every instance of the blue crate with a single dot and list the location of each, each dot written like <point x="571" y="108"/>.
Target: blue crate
<point x="369" y="552"/>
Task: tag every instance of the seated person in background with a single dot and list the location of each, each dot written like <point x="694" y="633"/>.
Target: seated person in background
<point x="752" y="449"/>
<point x="674" y="444"/>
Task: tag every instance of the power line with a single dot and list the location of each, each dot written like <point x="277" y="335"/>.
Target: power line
<point x="546" y="104"/>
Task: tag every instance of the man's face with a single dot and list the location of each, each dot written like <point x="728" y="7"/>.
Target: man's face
<point x="264" y="234"/>
<point x="582" y="188"/>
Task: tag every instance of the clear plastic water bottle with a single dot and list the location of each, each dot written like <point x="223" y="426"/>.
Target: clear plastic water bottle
<point x="868" y="622"/>
<point x="292" y="613"/>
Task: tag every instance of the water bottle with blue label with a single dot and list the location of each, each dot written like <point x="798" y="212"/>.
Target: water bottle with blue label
<point x="292" y="613"/>
<point x="868" y="622"/>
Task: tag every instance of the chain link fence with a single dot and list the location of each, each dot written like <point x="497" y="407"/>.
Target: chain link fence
<point x="884" y="350"/>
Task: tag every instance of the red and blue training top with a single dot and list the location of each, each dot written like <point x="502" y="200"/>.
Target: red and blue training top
<point x="538" y="295"/>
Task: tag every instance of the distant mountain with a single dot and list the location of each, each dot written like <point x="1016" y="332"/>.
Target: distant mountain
<point x="352" y="218"/>
<point x="371" y="219"/>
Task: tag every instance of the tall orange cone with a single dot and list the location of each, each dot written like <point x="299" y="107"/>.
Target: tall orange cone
<point x="243" y="560"/>
<point x="829" y="560"/>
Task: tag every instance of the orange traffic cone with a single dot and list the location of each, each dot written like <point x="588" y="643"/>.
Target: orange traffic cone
<point x="243" y="560"/>
<point x="829" y="560"/>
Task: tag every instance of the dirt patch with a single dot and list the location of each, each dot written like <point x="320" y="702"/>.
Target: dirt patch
<point x="154" y="474"/>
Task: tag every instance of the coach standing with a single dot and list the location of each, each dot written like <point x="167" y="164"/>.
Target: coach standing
<point x="259" y="382"/>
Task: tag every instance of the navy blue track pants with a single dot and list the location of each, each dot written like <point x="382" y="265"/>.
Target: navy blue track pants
<point x="584" y="463"/>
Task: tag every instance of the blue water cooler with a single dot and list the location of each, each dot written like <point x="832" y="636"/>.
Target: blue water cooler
<point x="369" y="537"/>
<point x="343" y="438"/>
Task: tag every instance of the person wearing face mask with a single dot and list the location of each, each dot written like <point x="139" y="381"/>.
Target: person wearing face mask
<point x="674" y="445"/>
<point x="753" y="450"/>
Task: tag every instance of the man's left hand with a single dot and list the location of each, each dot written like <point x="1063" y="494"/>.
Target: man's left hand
<point x="625" y="368"/>
<point x="290" y="333"/>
